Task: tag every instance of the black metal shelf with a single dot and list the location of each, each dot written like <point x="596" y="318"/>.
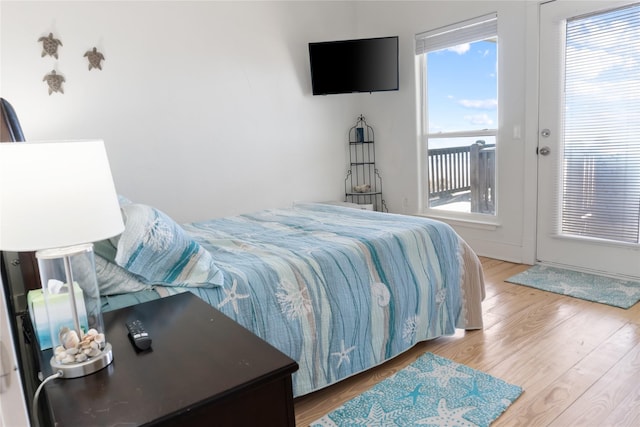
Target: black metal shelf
<point x="369" y="193"/>
<point x="363" y="172"/>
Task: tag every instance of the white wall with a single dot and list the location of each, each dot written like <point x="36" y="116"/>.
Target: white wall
<point x="206" y="107"/>
<point x="398" y="130"/>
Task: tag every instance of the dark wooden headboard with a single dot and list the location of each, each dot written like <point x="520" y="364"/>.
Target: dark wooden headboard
<point x="11" y="131"/>
<point x="5" y="134"/>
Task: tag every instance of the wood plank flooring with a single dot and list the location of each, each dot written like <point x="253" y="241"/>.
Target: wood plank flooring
<point x="578" y="362"/>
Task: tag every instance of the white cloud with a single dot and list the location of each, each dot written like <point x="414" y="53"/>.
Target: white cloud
<point x="479" y="119"/>
<point x="460" y="49"/>
<point x="482" y="104"/>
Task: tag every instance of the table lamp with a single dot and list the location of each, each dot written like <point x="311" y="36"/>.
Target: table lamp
<point x="57" y="198"/>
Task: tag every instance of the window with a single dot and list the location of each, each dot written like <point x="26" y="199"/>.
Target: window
<point x="459" y="111"/>
<point x="601" y="156"/>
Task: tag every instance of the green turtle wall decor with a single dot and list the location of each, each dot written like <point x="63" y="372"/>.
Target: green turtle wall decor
<point x="50" y="45"/>
<point x="94" y="58"/>
<point x="54" y="80"/>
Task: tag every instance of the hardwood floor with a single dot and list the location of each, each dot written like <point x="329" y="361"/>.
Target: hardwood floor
<point x="578" y="362"/>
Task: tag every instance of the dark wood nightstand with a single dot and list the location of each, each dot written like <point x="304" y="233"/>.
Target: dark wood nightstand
<point x="204" y="369"/>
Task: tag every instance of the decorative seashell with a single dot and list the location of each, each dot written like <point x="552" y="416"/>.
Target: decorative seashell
<point x="60" y="356"/>
<point x="68" y="359"/>
<point x="92" y="332"/>
<point x="81" y="357"/>
<point x="364" y="188"/>
<point x="62" y="333"/>
<point x="59" y="349"/>
<point x="93" y="352"/>
<point x="70" y="339"/>
<point x="99" y="338"/>
<point x="72" y="351"/>
<point x="95" y="345"/>
<point x="380" y="293"/>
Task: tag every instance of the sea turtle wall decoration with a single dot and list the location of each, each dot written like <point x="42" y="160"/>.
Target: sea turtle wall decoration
<point x="95" y="58"/>
<point x="50" y="45"/>
<point x="54" y="80"/>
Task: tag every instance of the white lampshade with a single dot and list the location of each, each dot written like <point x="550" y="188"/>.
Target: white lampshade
<point x="56" y="194"/>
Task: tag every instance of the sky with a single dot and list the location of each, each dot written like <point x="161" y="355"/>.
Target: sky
<point x="462" y="88"/>
<point x="601" y="152"/>
<point x="602" y="77"/>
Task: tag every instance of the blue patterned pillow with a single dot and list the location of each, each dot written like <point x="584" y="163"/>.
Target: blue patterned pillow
<point x="156" y="248"/>
<point x="114" y="280"/>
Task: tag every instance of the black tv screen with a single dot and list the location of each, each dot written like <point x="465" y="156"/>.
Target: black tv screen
<point x="346" y="66"/>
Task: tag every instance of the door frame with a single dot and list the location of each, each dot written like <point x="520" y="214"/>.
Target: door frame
<point x="537" y="141"/>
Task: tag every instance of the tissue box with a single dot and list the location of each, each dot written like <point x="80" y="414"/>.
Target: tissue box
<point x="59" y="310"/>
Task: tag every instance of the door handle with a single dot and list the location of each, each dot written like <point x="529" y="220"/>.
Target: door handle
<point x="544" y="150"/>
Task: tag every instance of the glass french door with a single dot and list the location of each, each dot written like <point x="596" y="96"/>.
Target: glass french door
<point x="589" y="136"/>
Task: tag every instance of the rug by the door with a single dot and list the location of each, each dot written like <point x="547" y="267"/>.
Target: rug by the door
<point x="430" y="391"/>
<point x="605" y="290"/>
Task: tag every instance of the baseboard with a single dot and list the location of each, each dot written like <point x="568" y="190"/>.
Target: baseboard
<point x="497" y="250"/>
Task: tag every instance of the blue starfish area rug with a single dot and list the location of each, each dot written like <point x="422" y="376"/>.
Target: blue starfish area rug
<point x="590" y="287"/>
<point x="432" y="391"/>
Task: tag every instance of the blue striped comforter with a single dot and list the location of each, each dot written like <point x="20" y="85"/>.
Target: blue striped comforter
<point x="337" y="289"/>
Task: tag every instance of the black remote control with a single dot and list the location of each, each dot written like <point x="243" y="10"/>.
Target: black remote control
<point x="139" y="336"/>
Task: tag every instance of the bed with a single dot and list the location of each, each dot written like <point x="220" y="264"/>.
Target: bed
<point x="339" y="290"/>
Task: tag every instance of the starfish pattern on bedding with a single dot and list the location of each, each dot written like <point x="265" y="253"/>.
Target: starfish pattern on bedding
<point x="232" y="296"/>
<point x="343" y="354"/>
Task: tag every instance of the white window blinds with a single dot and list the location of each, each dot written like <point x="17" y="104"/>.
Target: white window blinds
<point x="601" y="176"/>
<point x="462" y="32"/>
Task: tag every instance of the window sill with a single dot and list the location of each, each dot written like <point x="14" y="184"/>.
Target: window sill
<point x="481" y="222"/>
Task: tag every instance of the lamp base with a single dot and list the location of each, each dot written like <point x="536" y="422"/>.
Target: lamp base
<point x="75" y="370"/>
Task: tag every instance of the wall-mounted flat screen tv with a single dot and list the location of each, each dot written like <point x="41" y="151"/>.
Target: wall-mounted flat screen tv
<point x="347" y="66"/>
